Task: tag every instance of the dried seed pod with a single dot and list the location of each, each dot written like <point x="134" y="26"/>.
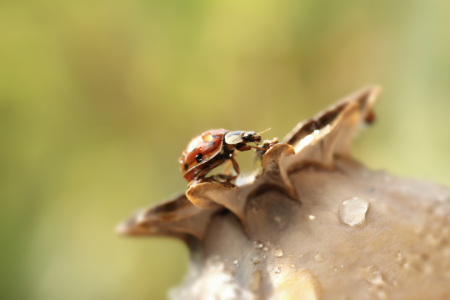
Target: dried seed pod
<point x="315" y="225"/>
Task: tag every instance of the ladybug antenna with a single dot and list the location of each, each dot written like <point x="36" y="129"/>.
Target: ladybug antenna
<point x="259" y="133"/>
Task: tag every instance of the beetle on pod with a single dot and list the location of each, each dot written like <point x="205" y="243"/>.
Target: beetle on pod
<point x="214" y="147"/>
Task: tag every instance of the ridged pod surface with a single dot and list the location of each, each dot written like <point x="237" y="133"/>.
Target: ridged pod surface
<point x="314" y="225"/>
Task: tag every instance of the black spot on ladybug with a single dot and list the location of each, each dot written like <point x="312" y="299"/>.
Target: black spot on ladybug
<point x="210" y="144"/>
<point x="186" y="166"/>
<point x="199" y="157"/>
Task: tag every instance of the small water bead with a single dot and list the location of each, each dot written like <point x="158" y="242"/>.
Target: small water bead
<point x="255" y="260"/>
<point x="311" y="217"/>
<point x="255" y="280"/>
<point x="407" y="265"/>
<point x="334" y="268"/>
<point x="277" y="270"/>
<point x="282" y="265"/>
<point x="258" y="245"/>
<point x="399" y="258"/>
<point x="236" y="262"/>
<point x="278" y="252"/>
<point x="290" y="255"/>
<point x="318" y="257"/>
<point x="301" y="255"/>
<point x="372" y="275"/>
<point x="265" y="248"/>
<point x="352" y="211"/>
<point x="292" y="265"/>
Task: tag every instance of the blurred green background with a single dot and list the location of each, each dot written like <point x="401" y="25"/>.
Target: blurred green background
<point x="99" y="98"/>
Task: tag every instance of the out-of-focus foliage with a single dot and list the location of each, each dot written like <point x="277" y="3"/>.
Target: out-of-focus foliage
<point x="99" y="98"/>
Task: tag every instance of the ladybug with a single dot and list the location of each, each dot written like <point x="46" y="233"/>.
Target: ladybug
<point x="212" y="148"/>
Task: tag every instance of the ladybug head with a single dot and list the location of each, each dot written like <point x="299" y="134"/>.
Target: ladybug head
<point x="252" y="136"/>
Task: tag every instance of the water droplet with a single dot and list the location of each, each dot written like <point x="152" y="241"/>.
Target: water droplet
<point x="236" y="262"/>
<point x="290" y="255"/>
<point x="301" y="255"/>
<point x="407" y="265"/>
<point x="255" y="260"/>
<point x="282" y="266"/>
<point x="373" y="275"/>
<point x="318" y="257"/>
<point x="278" y="252"/>
<point x="255" y="280"/>
<point x="311" y="217"/>
<point x="353" y="211"/>
<point x="399" y="258"/>
<point x="278" y="261"/>
<point x="277" y="270"/>
<point x="258" y="245"/>
<point x="292" y="265"/>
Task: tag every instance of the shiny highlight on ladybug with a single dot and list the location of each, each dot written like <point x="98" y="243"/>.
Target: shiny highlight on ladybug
<point x="212" y="148"/>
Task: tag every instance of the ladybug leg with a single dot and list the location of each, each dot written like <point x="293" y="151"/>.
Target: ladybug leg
<point x="245" y="147"/>
<point x="257" y="148"/>
<point x="200" y="177"/>
<point x="235" y="166"/>
<point x="227" y="168"/>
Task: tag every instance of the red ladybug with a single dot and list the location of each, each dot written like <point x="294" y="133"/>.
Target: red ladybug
<point x="212" y="148"/>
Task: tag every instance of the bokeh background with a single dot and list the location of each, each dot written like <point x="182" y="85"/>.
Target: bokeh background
<point x="99" y="98"/>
